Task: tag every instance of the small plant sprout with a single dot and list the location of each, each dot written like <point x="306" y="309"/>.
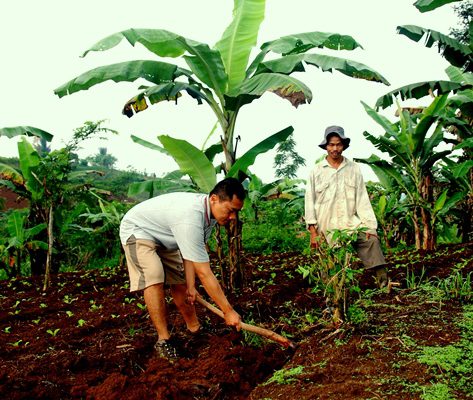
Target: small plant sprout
<point x="69" y="299"/>
<point x="52" y="332"/>
<point x="18" y="343"/>
<point x="141" y="306"/>
<point x="7" y="329"/>
<point x="286" y="376"/>
<point x="81" y="323"/>
<point x="94" y="306"/>
<point x="69" y="313"/>
<point x="43" y="305"/>
<point x="36" y="321"/>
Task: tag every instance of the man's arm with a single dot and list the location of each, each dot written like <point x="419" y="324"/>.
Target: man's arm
<point x="364" y="209"/>
<point x="214" y="290"/>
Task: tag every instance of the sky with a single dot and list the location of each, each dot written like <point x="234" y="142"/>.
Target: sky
<point x="42" y="41"/>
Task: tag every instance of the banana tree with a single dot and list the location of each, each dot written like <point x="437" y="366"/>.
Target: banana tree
<point x="412" y="158"/>
<point x="460" y="106"/>
<point x="19" y="238"/>
<point x="222" y="77"/>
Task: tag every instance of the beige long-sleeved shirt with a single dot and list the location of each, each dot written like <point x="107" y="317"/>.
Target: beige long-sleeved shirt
<point x="337" y="198"/>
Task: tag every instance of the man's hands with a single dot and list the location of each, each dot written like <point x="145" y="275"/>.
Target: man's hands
<point x="315" y="238"/>
<point x="191" y="295"/>
<point x="232" y="318"/>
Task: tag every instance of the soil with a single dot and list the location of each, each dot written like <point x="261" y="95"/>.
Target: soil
<point x="89" y="338"/>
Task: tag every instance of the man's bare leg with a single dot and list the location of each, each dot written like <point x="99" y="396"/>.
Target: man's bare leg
<point x="156" y="304"/>
<point x="187" y="310"/>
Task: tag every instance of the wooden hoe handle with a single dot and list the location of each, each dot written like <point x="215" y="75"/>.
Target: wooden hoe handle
<point x="250" y="328"/>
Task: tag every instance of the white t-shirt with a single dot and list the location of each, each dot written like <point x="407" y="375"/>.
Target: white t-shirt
<point x="174" y="221"/>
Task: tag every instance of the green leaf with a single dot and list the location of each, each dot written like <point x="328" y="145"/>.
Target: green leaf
<point x="29" y="161"/>
<point x="213" y="150"/>
<point x="206" y="63"/>
<point x="248" y="159"/>
<point x="440" y="202"/>
<point x="149" y="145"/>
<point x="169" y="91"/>
<point x="419" y="90"/>
<point x="129" y="71"/>
<point x="457" y="75"/>
<point x="465" y="143"/>
<point x="239" y="38"/>
<point x="302" y="42"/>
<point x="25" y="130"/>
<point x="161" y="185"/>
<point x="462" y="169"/>
<point x="387" y="125"/>
<point x="287" y="87"/>
<point x="10" y="174"/>
<point x="429" y="5"/>
<point x="454" y="52"/>
<point x="294" y="63"/>
<point x="191" y="161"/>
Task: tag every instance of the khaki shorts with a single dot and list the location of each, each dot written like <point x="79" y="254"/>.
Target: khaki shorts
<point x="149" y="264"/>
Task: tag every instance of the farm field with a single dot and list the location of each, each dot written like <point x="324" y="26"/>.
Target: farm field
<point x="89" y="338"/>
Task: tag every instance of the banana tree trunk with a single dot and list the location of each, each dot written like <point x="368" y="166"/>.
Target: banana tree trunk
<point x="426" y="191"/>
<point x="47" y="273"/>
<point x="234" y="275"/>
<point x="416" y="229"/>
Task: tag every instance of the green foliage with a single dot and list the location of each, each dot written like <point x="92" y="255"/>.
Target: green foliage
<point x="277" y="229"/>
<point x="453" y="364"/>
<point x="287" y="161"/>
<point x="286" y="376"/>
<point x="331" y="271"/>
<point x="356" y="314"/>
<point x="437" y="391"/>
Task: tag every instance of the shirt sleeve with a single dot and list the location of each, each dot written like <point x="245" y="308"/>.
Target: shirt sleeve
<point x="364" y="210"/>
<point x="309" y="202"/>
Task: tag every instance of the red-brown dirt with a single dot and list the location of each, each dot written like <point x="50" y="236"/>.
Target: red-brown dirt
<point x="89" y="338"/>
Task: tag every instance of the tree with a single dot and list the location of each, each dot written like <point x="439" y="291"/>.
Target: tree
<point x="464" y="12"/>
<point x="458" y="109"/>
<point x="103" y="159"/>
<point x="413" y="155"/>
<point x="222" y="76"/>
<point x="287" y="160"/>
<point x="45" y="182"/>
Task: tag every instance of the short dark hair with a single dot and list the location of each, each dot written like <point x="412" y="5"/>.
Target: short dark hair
<point x="229" y="187"/>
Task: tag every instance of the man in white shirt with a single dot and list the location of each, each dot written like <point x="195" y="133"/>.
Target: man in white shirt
<point x="336" y="198"/>
<point x="164" y="240"/>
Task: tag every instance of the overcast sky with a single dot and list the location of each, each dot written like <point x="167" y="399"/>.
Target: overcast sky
<point x="43" y="39"/>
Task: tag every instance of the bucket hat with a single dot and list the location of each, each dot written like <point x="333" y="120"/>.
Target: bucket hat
<point x="335" y="130"/>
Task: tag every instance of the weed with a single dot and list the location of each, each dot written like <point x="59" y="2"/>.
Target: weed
<point x="69" y="299"/>
<point x="453" y="364"/>
<point x="412" y="280"/>
<point x="285" y="376"/>
<point x="94" y="306"/>
<point x="357" y="315"/>
<point x="54" y="332"/>
<point x="437" y="391"/>
<point x="132" y="331"/>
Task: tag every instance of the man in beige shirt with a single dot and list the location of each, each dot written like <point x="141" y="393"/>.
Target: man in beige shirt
<point x="336" y="198"/>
